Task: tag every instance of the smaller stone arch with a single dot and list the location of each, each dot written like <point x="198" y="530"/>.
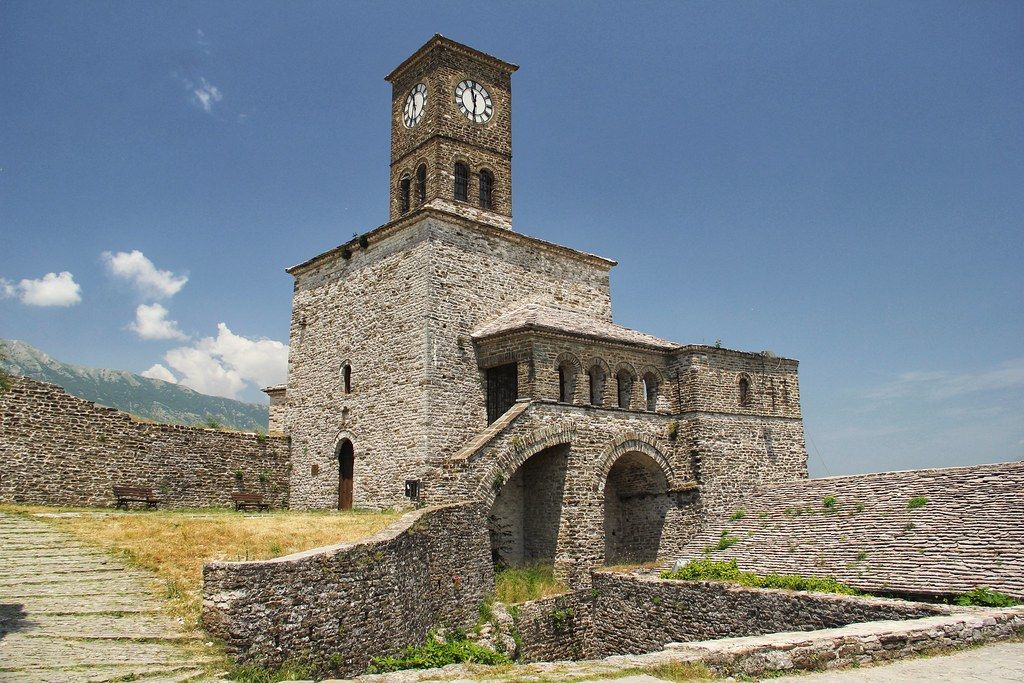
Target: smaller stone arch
<point x="625" y="379"/>
<point x="569" y="368"/>
<point x="653" y="382"/>
<point x="345" y="374"/>
<point x="597" y="375"/>
<point x="744" y="389"/>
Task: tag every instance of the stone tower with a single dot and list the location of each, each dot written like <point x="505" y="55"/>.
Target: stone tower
<point x="451" y="132"/>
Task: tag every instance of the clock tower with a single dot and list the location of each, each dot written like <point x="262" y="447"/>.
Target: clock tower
<point x="451" y="133"/>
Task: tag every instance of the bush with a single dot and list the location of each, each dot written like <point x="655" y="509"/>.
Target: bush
<point x="985" y="597"/>
<point x="829" y="502"/>
<point x="713" y="570"/>
<point x="433" y="654"/>
<point x="916" y="502"/>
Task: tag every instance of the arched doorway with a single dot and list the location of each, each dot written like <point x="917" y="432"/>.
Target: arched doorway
<point x="527" y="510"/>
<point x="636" y="500"/>
<point x="346" y="467"/>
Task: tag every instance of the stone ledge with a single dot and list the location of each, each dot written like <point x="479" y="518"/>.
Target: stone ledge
<point x="854" y="645"/>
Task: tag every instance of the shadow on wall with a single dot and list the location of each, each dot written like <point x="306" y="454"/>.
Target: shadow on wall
<point x="636" y="502"/>
<point x="525" y="518"/>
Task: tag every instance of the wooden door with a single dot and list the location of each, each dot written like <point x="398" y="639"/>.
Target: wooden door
<point x="346" y="468"/>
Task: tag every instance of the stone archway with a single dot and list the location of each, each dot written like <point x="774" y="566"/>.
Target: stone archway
<point x="346" y="473"/>
<point x="526" y="513"/>
<point x="636" y="502"/>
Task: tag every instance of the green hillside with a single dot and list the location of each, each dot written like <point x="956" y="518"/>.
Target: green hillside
<point x="152" y="399"/>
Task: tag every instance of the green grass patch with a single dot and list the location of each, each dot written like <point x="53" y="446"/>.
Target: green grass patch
<point x="916" y="502"/>
<point x="713" y="570"/>
<point x="985" y="597"/>
<point x="829" y="502"/>
<point x="725" y="541"/>
<point x="289" y="671"/>
<point x="433" y="654"/>
<point x="738" y="515"/>
<point x="679" y="672"/>
<point x="530" y="582"/>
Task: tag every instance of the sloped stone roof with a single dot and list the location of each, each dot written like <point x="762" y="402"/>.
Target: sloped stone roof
<point x="970" y="532"/>
<point x="549" y="318"/>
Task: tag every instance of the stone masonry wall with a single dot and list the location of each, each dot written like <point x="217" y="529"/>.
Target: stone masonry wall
<point x="58" y="449"/>
<point x="337" y="607"/>
<point x="635" y="614"/>
<point x="401" y="311"/>
<point x="556" y="628"/>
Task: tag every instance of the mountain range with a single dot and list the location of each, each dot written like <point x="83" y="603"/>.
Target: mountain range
<point x="152" y="399"/>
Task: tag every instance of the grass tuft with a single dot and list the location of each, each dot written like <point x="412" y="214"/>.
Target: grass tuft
<point x="432" y="655"/>
<point x="916" y="502"/>
<point x="713" y="570"/>
<point x="530" y="582"/>
<point x="680" y="672"/>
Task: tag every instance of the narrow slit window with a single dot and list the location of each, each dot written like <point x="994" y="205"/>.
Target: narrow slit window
<point x="461" y="182"/>
<point x="421" y="184"/>
<point x="346" y="373"/>
<point x="597" y="379"/>
<point x="486" y="189"/>
<point x="744" y="386"/>
<point x="404" y="188"/>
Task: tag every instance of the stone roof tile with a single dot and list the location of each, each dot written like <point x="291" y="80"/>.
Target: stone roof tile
<point x="540" y="317"/>
<point x="969" y="532"/>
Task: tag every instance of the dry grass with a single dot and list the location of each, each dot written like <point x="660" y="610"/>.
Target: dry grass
<point x="175" y="544"/>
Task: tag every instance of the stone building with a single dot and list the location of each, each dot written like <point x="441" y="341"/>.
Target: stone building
<point x="444" y="356"/>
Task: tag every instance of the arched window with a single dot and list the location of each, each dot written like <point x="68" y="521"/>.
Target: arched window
<point x="421" y="184"/>
<point x="744" y="385"/>
<point x="651" y="391"/>
<point x="346" y="376"/>
<point x="624" y="384"/>
<point x="486" y="189"/>
<point x="566" y="382"/>
<point x="461" y="181"/>
<point x="597" y="379"/>
<point x="403" y="193"/>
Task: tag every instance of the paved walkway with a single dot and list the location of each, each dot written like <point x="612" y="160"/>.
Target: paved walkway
<point x="992" y="664"/>
<point x="69" y="612"/>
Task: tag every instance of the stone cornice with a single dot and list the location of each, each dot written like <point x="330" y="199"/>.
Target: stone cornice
<point x="425" y="212"/>
<point x="437" y="40"/>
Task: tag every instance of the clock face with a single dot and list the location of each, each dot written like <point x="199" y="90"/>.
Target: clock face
<point x="474" y="101"/>
<point x="415" y="104"/>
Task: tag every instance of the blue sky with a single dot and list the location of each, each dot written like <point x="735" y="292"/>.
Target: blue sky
<point x="837" y="182"/>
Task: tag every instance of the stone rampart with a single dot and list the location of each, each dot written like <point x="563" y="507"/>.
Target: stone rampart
<point x="337" y="607"/>
<point x="636" y="614"/>
<point x="58" y="449"/>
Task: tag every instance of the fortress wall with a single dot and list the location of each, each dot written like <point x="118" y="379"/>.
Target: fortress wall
<point x="636" y="614"/>
<point x="337" y="607"/>
<point x="57" y="449"/>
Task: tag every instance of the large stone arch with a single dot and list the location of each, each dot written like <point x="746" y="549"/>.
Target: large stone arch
<point x="634" y="487"/>
<point x="524" y="496"/>
<point x="519" y="450"/>
<point x="628" y="442"/>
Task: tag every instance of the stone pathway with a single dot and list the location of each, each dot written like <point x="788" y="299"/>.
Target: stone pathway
<point x="69" y="612"/>
<point x="992" y="664"/>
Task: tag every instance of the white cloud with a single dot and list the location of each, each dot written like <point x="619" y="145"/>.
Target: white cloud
<point x="160" y="372"/>
<point x="205" y="94"/>
<point x="52" y="289"/>
<point x="151" y="282"/>
<point x="228" y="363"/>
<point x="943" y="385"/>
<point x="151" y="323"/>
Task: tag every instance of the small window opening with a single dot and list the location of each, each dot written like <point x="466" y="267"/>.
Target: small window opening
<point x="403" y="193"/>
<point x="624" y="383"/>
<point x="566" y="383"/>
<point x="651" y="391"/>
<point x="421" y="184"/>
<point x="597" y="379"/>
<point x="486" y="189"/>
<point x="346" y="373"/>
<point x="461" y="182"/>
<point x="744" y="391"/>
